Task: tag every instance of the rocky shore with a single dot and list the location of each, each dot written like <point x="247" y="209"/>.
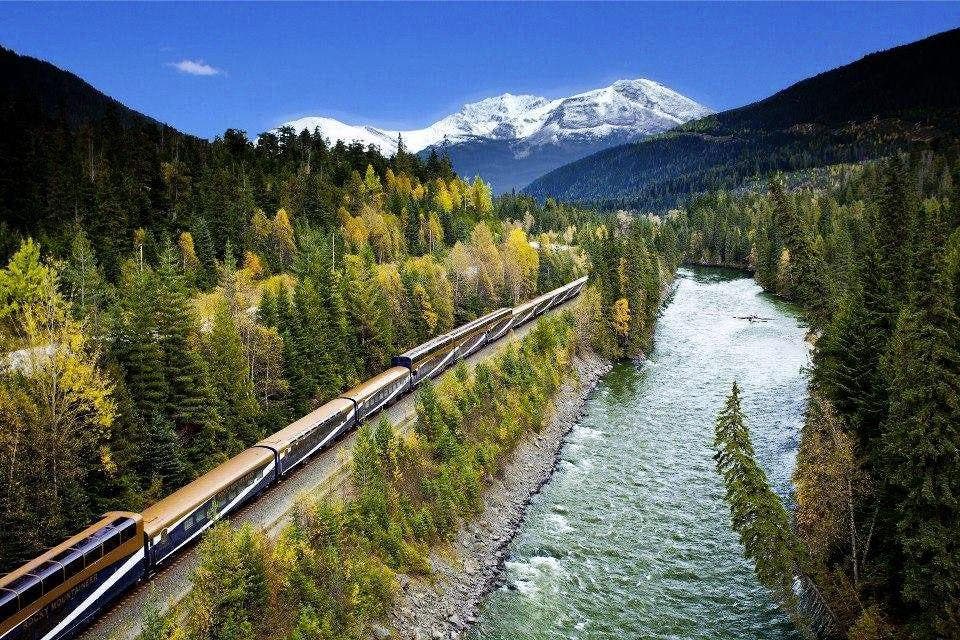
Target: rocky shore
<point x="444" y="604"/>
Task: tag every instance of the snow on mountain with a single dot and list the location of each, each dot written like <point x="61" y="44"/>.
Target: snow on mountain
<point x="628" y="108"/>
<point x="336" y="130"/>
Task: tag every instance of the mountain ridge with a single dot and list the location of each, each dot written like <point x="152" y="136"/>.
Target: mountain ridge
<point x="886" y="101"/>
<point x="511" y="137"/>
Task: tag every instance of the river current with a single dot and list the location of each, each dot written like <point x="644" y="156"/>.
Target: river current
<point x="631" y="537"/>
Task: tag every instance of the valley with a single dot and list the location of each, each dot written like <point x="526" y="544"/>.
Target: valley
<point x="606" y="364"/>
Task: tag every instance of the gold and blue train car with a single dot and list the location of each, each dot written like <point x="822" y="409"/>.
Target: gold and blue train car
<point x="174" y="522"/>
<point x="475" y="334"/>
<point x="295" y="443"/>
<point x="55" y="595"/>
<point x="378" y="392"/>
<point x="427" y="360"/>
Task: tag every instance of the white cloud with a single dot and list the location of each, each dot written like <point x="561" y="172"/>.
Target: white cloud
<point x="195" y="68"/>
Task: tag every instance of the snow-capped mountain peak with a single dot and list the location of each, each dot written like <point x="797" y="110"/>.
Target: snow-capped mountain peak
<point x="511" y="139"/>
<point x="629" y="108"/>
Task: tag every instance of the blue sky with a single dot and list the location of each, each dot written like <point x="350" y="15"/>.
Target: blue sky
<point x="206" y="67"/>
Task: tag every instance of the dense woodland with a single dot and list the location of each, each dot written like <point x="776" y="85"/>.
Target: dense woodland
<point x="874" y="260"/>
<point x="886" y="102"/>
<point x="167" y="301"/>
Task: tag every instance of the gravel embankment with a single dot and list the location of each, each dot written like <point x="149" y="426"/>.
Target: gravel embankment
<point x="444" y="604"/>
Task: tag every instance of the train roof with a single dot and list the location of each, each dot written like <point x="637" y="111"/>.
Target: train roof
<point x="371" y="386"/>
<point x="161" y="514"/>
<point x="483" y="320"/>
<point x="305" y="424"/>
<point x="520" y="308"/>
<point x="430" y="345"/>
<point x="74" y="540"/>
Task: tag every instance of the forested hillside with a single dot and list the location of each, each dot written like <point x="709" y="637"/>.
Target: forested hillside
<point x="168" y="300"/>
<point x="872" y="254"/>
<point x="893" y="100"/>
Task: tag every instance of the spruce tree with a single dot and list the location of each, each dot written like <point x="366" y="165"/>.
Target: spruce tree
<point x="163" y="458"/>
<point x="189" y="403"/>
<point x="135" y="345"/>
<point x="921" y="446"/>
<point x="757" y="513"/>
<point x="230" y="379"/>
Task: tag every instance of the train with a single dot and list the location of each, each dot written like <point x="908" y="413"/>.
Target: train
<point x="56" y="595"/>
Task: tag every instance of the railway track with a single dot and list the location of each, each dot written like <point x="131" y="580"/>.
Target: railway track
<point x="327" y="472"/>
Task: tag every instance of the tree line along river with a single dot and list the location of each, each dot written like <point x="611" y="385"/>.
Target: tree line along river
<point x="631" y="537"/>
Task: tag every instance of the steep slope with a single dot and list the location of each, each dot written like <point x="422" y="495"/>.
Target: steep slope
<point x="512" y="139"/>
<point x="886" y="101"/>
<point x="37" y="89"/>
<point x="70" y="154"/>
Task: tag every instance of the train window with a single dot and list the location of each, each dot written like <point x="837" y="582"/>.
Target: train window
<point x="72" y="562"/>
<point x="51" y="573"/>
<point x="127" y="527"/>
<point x="92" y="550"/>
<point x="111" y="542"/>
<point x="29" y="587"/>
<point x="8" y="603"/>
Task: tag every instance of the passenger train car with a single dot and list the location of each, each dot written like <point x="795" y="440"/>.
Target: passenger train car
<point x="54" y="596"/>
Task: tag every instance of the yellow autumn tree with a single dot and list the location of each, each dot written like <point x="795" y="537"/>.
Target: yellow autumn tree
<point x="384" y="233"/>
<point x="56" y="414"/>
<point x="441" y="196"/>
<point x="188" y="253"/>
<point x="456" y="193"/>
<point x="432" y="277"/>
<point x="285" y="246"/>
<point x="481" y="197"/>
<point x="261" y="229"/>
<point x="418" y="191"/>
<point x="621" y="318"/>
<point x="372" y="185"/>
<point x="355" y="232"/>
<point x="431" y="231"/>
<point x="463" y="275"/>
<point x="521" y="264"/>
<point x="253" y="264"/>
<point x="488" y="261"/>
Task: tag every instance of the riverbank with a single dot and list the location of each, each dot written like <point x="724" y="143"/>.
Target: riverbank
<point x="445" y="603"/>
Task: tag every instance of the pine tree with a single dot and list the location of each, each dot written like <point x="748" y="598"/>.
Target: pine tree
<point x="189" y="402"/>
<point x="267" y="310"/>
<point x="86" y="287"/>
<point x="135" y="346"/>
<point x="163" y="457"/>
<point x="206" y="255"/>
<point x="757" y="513"/>
<point x="230" y="379"/>
<point x="921" y="446"/>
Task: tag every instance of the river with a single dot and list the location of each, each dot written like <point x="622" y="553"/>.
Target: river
<point x="631" y="538"/>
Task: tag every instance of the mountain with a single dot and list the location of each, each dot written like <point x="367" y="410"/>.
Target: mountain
<point x="36" y="89"/>
<point x="67" y="150"/>
<point x="887" y="101"/>
<point x="512" y="139"/>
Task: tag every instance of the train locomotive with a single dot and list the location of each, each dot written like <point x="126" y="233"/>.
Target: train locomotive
<point x="56" y="595"/>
